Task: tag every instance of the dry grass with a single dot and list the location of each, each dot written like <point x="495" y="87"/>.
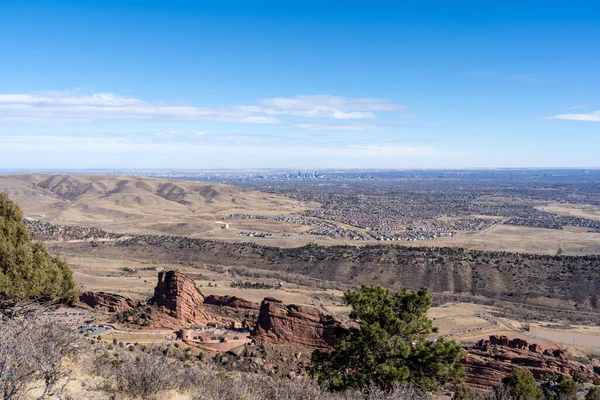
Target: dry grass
<point x="523" y="239"/>
<point x="132" y="204"/>
<point x="567" y="337"/>
<point x="454" y="317"/>
<point x="573" y="210"/>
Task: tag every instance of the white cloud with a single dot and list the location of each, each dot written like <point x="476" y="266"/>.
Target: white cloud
<point x="592" y="116"/>
<point x="69" y="98"/>
<point x="340" y="127"/>
<point x="65" y="107"/>
<point x="327" y="106"/>
<point x="75" y="107"/>
<point x="306" y="102"/>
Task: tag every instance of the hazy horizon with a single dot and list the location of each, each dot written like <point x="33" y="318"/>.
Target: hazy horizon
<point x="124" y="171"/>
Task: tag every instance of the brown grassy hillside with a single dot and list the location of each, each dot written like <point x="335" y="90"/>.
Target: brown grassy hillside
<point x="135" y="204"/>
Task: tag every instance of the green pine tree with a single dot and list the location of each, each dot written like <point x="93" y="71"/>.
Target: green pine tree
<point x="522" y="385"/>
<point x="27" y="270"/>
<point x="389" y="346"/>
<point x="567" y="389"/>
<point x="593" y="393"/>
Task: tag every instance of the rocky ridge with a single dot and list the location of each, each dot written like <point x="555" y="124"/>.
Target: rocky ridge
<point x="294" y="324"/>
<point x="110" y="302"/>
<point x="488" y="361"/>
<point x="523" y="278"/>
<point x="233" y="302"/>
<point x="46" y="231"/>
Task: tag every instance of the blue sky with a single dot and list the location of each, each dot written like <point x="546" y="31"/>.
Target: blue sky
<point x="340" y="84"/>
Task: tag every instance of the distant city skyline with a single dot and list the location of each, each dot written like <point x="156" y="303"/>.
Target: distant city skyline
<point x="310" y="85"/>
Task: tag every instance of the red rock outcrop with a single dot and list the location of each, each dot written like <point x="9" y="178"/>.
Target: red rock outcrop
<point x="249" y="324"/>
<point x="178" y="293"/>
<point x="231" y="302"/>
<point x="293" y="324"/>
<point x="110" y="302"/>
<point x="536" y="348"/>
<point x="488" y="362"/>
<point x="499" y="340"/>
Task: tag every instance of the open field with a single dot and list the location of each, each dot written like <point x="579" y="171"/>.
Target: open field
<point x="566" y="337"/>
<point x="452" y="317"/>
<point x="573" y="210"/>
<point x="525" y="239"/>
<point x="105" y="274"/>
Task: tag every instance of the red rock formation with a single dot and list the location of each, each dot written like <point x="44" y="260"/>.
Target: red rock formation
<point x="517" y="343"/>
<point x="536" y="348"/>
<point x="178" y="293"/>
<point x="293" y="324"/>
<point x="249" y="324"/>
<point x="487" y="362"/>
<point x="231" y="302"/>
<point x="106" y="301"/>
<point x="499" y="340"/>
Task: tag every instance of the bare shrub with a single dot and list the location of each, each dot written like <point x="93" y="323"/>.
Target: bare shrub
<point x="140" y="375"/>
<point x="255" y="387"/>
<point x="55" y="344"/>
<point x="17" y="366"/>
<point x="31" y="352"/>
<point x="221" y="386"/>
<point x="500" y="392"/>
<point x="397" y="393"/>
